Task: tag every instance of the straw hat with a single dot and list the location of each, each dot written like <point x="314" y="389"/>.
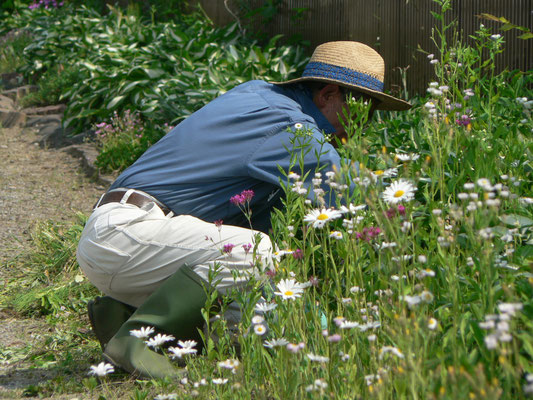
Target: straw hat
<point x="353" y="65"/>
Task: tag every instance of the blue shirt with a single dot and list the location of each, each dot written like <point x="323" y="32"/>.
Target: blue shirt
<point x="234" y="143"/>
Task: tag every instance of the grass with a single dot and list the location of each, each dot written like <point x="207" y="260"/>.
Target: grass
<point x="425" y="292"/>
<point x="11" y="48"/>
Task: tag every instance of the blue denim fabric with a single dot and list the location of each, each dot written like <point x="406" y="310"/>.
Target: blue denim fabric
<point x="236" y="142"/>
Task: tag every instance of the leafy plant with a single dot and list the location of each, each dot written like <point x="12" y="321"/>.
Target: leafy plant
<point x="51" y="85"/>
<point x="11" y="48"/>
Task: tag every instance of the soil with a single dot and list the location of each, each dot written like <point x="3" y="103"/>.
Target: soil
<point x="36" y="184"/>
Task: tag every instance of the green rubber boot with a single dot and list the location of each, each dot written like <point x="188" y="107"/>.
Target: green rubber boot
<point x="174" y="309"/>
<point x="107" y="316"/>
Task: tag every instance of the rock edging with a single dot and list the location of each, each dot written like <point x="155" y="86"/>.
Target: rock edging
<point x="46" y="123"/>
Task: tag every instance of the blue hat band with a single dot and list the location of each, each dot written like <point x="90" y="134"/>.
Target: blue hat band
<point x="346" y="75"/>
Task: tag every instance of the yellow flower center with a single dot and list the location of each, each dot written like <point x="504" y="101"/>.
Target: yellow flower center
<point x="399" y="193"/>
<point x="322" y="217"/>
<point x="289" y="293"/>
<point x="379" y="172"/>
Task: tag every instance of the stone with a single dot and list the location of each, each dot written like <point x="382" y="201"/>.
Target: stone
<point x="10" y="80"/>
<point x="40" y="120"/>
<point x="11" y="118"/>
<point x="87" y="153"/>
<point x="55" y="109"/>
<point x="19" y="92"/>
<point x="6" y="103"/>
<point x="53" y="135"/>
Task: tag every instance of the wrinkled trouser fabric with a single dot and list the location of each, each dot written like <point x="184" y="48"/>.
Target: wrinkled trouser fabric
<point x="127" y="251"/>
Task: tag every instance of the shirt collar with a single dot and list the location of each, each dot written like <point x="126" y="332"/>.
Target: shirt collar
<point x="304" y="97"/>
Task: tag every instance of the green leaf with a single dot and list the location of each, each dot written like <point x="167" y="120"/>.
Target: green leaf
<point x="526" y="36"/>
<point x="154" y="73"/>
<point x="114" y="102"/>
<point x="516" y="220"/>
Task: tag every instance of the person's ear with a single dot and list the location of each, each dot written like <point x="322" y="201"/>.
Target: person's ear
<point x="324" y="96"/>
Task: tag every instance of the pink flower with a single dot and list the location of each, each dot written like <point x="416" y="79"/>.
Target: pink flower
<point x="298" y="254"/>
<point x="247" y="247"/>
<point x="247" y="194"/>
<point x="245" y="197"/>
<point x="334" y="338"/>
<point x="314" y="281"/>
<point x="271" y="273"/>
<point x="218" y="223"/>
<point x="228" y="248"/>
<point x="237" y="200"/>
<point x="368" y="233"/>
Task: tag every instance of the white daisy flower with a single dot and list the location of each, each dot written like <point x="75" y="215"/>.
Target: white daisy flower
<point x="280" y="253"/>
<point x="398" y="191"/>
<point x="142" y="333"/>
<point x="484" y="184"/>
<point x="336" y="235"/>
<point x="219" y="381"/>
<point x="426" y="272"/>
<point x="369" y="325"/>
<point x="390" y="349"/>
<point x="318" y="218"/>
<point x="230" y="364"/>
<point x="298" y="125"/>
<point x="289" y="289"/>
<point x="352" y="209"/>
<point x="257" y="319"/>
<point x="179" y="352"/>
<point x="319" y="384"/>
<point x="259" y="329"/>
<point x="158" y="340"/>
<point x="317" y="358"/>
<point x="356" y="289"/>
<point x="411" y="300"/>
<point x="188" y="344"/>
<point x="432" y="324"/>
<point x="349" y="324"/>
<point x="171" y="396"/>
<point x="388" y="173"/>
<point x="276" y="343"/>
<point x="101" y="369"/>
<point x="510" y="308"/>
<point x="293" y="175"/>
<point x="407" y="157"/>
<point x="265" y="307"/>
<point x="426" y="296"/>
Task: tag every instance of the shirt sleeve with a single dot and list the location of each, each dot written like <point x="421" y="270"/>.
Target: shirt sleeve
<point x="275" y="152"/>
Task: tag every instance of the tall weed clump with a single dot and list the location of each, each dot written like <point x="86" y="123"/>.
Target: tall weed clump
<point x="416" y="282"/>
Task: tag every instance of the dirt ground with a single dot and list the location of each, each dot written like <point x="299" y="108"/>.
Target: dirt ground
<point x="36" y="184"/>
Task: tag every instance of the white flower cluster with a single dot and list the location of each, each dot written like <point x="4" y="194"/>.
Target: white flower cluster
<point x="498" y="324"/>
<point x="436" y="90"/>
<point x="525" y="102"/>
<point x="412" y="301"/>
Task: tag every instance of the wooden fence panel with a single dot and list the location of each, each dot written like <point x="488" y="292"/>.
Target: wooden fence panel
<point x="400" y="30"/>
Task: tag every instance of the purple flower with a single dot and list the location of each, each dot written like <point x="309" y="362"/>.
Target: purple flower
<point x="334" y="338"/>
<point x="237" y="200"/>
<point x="464" y="120"/>
<point x="245" y="197"/>
<point x="247" y="194"/>
<point x="218" y="223"/>
<point x="247" y="247"/>
<point x="298" y="254"/>
<point x="368" y="233"/>
<point x="228" y="248"/>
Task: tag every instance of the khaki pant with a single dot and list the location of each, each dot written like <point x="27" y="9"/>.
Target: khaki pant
<point x="127" y="251"/>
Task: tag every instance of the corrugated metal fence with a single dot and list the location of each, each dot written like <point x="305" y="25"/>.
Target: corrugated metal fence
<point x="397" y="29"/>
